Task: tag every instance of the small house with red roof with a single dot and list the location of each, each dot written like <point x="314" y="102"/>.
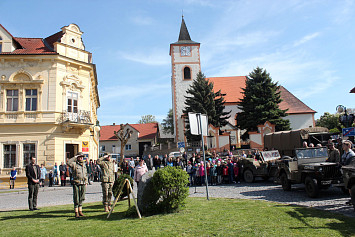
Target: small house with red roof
<point x="143" y="136"/>
<point x="48" y="99"/>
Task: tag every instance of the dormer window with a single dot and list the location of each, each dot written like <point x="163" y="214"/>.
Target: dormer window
<point x="187" y="73"/>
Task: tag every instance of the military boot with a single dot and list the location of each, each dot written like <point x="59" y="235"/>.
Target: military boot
<point x="80" y="211"/>
<point x="76" y="212"/>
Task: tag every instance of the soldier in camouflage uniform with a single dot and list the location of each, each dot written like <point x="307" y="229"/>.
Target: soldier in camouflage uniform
<point x="80" y="180"/>
<point x="107" y="179"/>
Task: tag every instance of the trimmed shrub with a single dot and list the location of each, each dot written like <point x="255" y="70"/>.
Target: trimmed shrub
<point x="118" y="184"/>
<point x="170" y="185"/>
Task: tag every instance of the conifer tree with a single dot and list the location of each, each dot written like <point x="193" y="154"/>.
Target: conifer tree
<point x="201" y="99"/>
<point x="261" y="103"/>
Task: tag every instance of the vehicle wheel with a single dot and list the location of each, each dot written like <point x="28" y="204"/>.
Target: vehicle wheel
<point x="345" y="191"/>
<point x="312" y="188"/>
<point x="285" y="182"/>
<point x="248" y="176"/>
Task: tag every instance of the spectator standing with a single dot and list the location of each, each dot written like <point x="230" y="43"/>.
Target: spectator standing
<point x="50" y="178"/>
<point x="150" y="162"/>
<point x="56" y="173"/>
<point x="33" y="173"/>
<point x="201" y="171"/>
<point x="165" y="159"/>
<point x="89" y="168"/>
<point x="348" y="154"/>
<point x="63" y="174"/>
<point x="334" y="154"/>
<point x="230" y="171"/>
<point x="179" y="163"/>
<point x="219" y="170"/>
<point x="79" y="174"/>
<point x="156" y="162"/>
<point x="13" y="175"/>
<point x="43" y="175"/>
<point x="108" y="178"/>
<point x="139" y="171"/>
<point x="213" y="172"/>
<point x="189" y="172"/>
<point x="170" y="162"/>
<point x="131" y="167"/>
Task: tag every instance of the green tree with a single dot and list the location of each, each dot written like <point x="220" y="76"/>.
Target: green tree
<point x="330" y="121"/>
<point x="261" y="103"/>
<point x="201" y="99"/>
<point x="168" y="122"/>
<point x="147" y="119"/>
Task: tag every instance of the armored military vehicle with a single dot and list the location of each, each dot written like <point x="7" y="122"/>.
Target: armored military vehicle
<point x="309" y="166"/>
<point x="263" y="165"/>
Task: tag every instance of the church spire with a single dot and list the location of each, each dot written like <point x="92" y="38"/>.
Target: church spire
<point x="184" y="36"/>
<point x="184" y="33"/>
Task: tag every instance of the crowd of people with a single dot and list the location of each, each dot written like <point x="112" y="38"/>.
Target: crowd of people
<point x="219" y="169"/>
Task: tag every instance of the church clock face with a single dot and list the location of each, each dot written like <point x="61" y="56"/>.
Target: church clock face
<point x="185" y="50"/>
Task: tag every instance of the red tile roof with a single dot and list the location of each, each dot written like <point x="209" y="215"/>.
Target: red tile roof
<point x="292" y="103"/>
<point x="232" y="87"/>
<point x="146" y="131"/>
<point x="31" y="45"/>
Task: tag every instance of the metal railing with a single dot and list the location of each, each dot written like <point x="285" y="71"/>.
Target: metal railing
<point x="81" y="117"/>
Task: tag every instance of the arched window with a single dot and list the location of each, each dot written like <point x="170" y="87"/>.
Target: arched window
<point x="187" y="73"/>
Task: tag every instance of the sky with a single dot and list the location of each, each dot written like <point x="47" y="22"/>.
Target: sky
<point x="307" y="46"/>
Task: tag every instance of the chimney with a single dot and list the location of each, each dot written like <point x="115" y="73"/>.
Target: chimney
<point x="113" y="124"/>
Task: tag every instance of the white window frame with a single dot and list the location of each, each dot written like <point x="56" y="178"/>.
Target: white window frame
<point x="10" y="153"/>
<point x="128" y="147"/>
<point x="30" y="153"/>
<point x="31" y="98"/>
<point x="72" y="109"/>
<point x="12" y="98"/>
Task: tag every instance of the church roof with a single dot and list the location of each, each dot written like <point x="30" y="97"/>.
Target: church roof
<point x="184" y="36"/>
<point x="352" y="90"/>
<point x="232" y="88"/>
<point x="146" y="131"/>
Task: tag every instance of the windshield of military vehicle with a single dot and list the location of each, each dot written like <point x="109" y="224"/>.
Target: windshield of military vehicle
<point x="311" y="153"/>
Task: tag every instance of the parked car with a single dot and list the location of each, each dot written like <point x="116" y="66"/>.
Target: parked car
<point x="309" y="166"/>
<point x="174" y="154"/>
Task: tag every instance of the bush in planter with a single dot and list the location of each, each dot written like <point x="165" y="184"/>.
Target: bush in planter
<point x="118" y="184"/>
<point x="170" y="185"/>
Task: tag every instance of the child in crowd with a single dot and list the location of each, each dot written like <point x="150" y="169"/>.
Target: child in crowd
<point x="50" y="178"/>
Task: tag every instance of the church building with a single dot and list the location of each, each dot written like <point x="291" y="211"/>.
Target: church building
<point x="185" y="61"/>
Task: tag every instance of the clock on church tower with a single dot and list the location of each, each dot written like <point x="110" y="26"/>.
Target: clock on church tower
<point x="185" y="63"/>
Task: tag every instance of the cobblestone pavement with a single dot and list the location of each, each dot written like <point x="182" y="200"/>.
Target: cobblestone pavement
<point x="332" y="199"/>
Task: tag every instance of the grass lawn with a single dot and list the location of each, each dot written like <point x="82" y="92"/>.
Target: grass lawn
<point x="217" y="217"/>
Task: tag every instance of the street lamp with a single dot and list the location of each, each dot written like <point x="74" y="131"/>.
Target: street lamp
<point x="346" y="119"/>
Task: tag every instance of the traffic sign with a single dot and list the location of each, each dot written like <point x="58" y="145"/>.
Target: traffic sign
<point x="181" y="144"/>
<point x="349" y="132"/>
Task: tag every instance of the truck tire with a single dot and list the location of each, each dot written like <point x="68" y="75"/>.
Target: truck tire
<point x="312" y="188"/>
<point x="248" y="176"/>
<point x="285" y="182"/>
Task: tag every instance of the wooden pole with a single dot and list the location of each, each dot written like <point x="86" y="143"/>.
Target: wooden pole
<point x="129" y="199"/>
<point x="134" y="200"/>
<point x="116" y="199"/>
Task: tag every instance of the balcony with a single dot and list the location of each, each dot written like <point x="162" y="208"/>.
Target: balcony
<point x="80" y="120"/>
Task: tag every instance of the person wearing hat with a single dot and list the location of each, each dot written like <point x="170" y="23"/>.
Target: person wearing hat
<point x="107" y="179"/>
<point x="80" y="181"/>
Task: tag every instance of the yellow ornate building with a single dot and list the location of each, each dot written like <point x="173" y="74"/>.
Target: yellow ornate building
<point x="48" y="99"/>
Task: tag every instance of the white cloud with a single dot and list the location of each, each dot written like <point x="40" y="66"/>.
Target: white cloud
<point x="156" y="58"/>
<point x="306" y="39"/>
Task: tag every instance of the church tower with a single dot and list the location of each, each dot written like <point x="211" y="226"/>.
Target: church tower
<point x="185" y="64"/>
